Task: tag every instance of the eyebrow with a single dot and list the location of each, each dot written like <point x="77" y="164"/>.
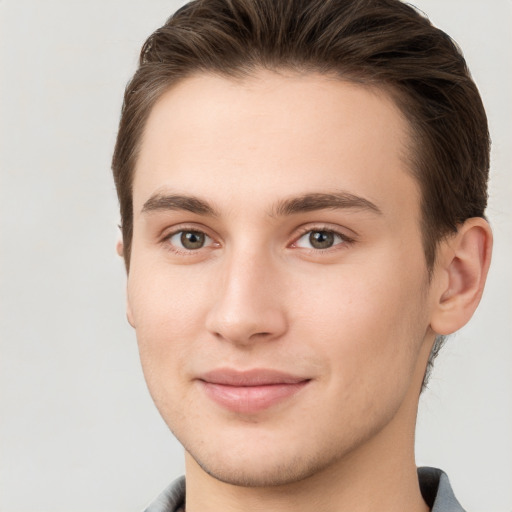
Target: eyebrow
<point x="304" y="203"/>
<point x="320" y="201"/>
<point x="162" y="202"/>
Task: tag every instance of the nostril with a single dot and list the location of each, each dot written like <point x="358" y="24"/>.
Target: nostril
<point x="245" y="320"/>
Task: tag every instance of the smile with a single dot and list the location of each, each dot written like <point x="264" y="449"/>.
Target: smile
<point x="251" y="391"/>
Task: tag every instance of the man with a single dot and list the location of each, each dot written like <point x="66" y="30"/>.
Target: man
<point x="302" y="188"/>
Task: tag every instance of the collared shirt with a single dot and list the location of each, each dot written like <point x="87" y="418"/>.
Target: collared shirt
<point x="434" y="484"/>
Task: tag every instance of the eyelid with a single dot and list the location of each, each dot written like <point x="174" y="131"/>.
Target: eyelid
<point x="207" y="239"/>
<point x="168" y="233"/>
<point x="185" y="226"/>
<point x="338" y="231"/>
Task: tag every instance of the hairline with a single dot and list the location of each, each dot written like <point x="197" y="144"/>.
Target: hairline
<point x="410" y="153"/>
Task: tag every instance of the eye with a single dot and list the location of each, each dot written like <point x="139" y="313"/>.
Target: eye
<point x="320" y="239"/>
<point x="190" y="240"/>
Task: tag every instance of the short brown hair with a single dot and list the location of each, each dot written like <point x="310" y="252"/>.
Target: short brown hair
<point x="385" y="43"/>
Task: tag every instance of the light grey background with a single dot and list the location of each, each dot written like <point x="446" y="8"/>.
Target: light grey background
<point x="77" y="428"/>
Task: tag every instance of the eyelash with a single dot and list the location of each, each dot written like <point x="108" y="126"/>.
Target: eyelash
<point x="344" y="240"/>
<point x="182" y="251"/>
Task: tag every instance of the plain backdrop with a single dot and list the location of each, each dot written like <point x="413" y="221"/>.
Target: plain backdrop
<point x="78" y="430"/>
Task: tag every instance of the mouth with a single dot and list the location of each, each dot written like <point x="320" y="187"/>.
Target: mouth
<point x="249" y="392"/>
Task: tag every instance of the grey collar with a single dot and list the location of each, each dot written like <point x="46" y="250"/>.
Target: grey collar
<point x="434" y="484"/>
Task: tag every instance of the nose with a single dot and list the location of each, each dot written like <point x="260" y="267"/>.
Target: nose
<point x="248" y="304"/>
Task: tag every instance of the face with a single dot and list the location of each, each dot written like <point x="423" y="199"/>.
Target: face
<point x="277" y="283"/>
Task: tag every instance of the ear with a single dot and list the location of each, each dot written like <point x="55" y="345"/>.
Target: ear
<point x="120" y="248"/>
<point x="129" y="313"/>
<point x="461" y="270"/>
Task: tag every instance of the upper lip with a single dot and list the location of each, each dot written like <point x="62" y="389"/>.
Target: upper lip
<point x="254" y="377"/>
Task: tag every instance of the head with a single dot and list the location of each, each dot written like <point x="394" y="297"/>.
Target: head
<point x="302" y="189"/>
<point x="383" y="43"/>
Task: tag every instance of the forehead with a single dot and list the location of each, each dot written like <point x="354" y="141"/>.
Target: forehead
<point x="274" y="134"/>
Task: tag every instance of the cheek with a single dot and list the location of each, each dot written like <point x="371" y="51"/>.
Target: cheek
<point x="166" y="299"/>
<point x="168" y="312"/>
<point x="369" y="325"/>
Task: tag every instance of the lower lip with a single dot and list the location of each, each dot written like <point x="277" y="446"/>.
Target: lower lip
<point x="251" y="399"/>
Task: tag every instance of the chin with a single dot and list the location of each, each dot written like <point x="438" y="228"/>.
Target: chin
<point x="267" y="460"/>
<point x="258" y="472"/>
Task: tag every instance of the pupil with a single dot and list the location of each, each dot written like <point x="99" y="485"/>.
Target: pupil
<point x="192" y="239"/>
<point x="321" y="239"/>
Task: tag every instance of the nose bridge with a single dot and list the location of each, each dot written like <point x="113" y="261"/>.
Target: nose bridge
<point x="247" y="303"/>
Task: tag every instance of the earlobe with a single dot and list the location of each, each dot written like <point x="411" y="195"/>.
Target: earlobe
<point x="463" y="263"/>
<point x="120" y="248"/>
<point x="129" y="312"/>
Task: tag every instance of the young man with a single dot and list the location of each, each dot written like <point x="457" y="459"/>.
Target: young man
<point x="302" y="188"/>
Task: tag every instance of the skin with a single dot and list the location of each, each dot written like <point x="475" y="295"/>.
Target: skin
<point x="356" y="319"/>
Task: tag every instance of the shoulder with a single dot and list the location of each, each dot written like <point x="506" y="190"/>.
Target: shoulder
<point x="437" y="490"/>
<point x="171" y="499"/>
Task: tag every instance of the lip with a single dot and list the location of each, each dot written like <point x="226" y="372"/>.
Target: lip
<point x="252" y="391"/>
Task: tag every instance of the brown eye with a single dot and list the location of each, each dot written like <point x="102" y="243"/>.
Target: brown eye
<point x="321" y="239"/>
<point x="189" y="240"/>
<point x="192" y="239"/>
